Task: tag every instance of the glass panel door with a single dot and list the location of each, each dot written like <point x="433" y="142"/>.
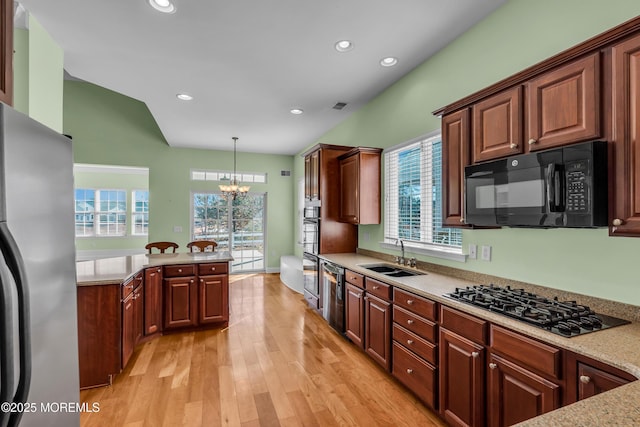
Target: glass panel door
<point x="236" y="225"/>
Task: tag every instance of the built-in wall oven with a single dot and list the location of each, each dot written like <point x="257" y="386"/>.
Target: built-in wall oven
<point x="333" y="291"/>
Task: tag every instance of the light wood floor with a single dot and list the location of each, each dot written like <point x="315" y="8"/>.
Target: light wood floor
<point x="278" y="363"/>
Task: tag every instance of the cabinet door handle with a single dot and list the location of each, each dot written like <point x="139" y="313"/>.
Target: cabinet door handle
<point x="513" y="146"/>
<point x="191" y="281"/>
<point x="461" y="220"/>
<point x="532" y="141"/>
<point x="585" y="379"/>
<point x="410" y="321"/>
<point x="409" y="371"/>
<point x="475" y="354"/>
<point x="410" y="301"/>
<point x="493" y="365"/>
<point x="409" y="342"/>
<point x="158" y="270"/>
<point x="617" y="222"/>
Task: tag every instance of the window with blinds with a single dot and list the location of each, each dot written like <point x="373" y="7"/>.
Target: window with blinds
<point x="413" y="191"/>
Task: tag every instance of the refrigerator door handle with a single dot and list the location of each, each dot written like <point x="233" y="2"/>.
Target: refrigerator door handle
<point x="7" y="377"/>
<point x="14" y="261"/>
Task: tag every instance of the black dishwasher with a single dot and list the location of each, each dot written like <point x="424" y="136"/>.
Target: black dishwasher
<point x="333" y="295"/>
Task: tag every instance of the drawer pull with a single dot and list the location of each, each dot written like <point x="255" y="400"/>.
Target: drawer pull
<point x="213" y="269"/>
<point x="179" y="270"/>
<point x="585" y="379"/>
<point x="409" y="342"/>
<point x="375" y="287"/>
<point x="410" y="301"/>
<point x="493" y="365"/>
<point x="410" y="321"/>
<point x="409" y="371"/>
<point x="475" y="354"/>
<point x="158" y="270"/>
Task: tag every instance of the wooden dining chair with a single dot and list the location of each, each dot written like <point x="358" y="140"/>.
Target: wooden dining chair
<point x="162" y="246"/>
<point x="202" y="245"/>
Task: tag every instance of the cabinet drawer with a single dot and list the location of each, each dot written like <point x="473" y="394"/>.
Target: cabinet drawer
<point x="416" y="344"/>
<point x="213" y="268"/>
<point x="464" y="324"/>
<point x="354" y="278"/>
<point x="416" y="374"/>
<point x="416" y="324"/>
<point x="534" y="354"/>
<point x="419" y="305"/>
<point x="179" y="270"/>
<point x="378" y="288"/>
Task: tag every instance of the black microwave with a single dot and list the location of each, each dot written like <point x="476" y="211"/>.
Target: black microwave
<point x="562" y="187"/>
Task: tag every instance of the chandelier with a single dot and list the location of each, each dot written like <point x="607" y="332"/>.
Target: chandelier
<point x="233" y="189"/>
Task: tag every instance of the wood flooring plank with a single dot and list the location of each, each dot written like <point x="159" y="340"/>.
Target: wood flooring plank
<point x="277" y="363"/>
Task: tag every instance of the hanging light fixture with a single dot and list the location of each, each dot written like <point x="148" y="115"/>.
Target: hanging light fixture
<point x="233" y="189"/>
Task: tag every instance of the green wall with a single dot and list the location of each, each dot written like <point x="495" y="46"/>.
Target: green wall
<point x="109" y="128"/>
<point x="517" y="35"/>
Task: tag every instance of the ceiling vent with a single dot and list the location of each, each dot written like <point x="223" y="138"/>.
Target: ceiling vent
<point x="339" y="105"/>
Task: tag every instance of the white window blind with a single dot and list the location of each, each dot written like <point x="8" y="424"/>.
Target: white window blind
<point x="413" y="192"/>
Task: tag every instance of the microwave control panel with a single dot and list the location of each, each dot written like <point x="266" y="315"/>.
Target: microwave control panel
<point x="578" y="191"/>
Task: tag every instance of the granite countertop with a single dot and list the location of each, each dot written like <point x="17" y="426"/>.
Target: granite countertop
<point x="117" y="269"/>
<point x="618" y="347"/>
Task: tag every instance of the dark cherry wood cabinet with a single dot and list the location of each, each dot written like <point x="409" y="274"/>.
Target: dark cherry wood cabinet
<point x="497" y="125"/>
<point x="378" y="330"/>
<point x="516" y="394"/>
<point x="625" y="180"/>
<point x="180" y="296"/>
<point x="377" y="319"/>
<point x="563" y="105"/>
<point x="414" y="348"/>
<point x="132" y="315"/>
<point x="322" y="188"/>
<point x="462" y="368"/>
<point x="587" y="377"/>
<point x="360" y="186"/>
<point x="99" y="334"/>
<point x="354" y="308"/>
<point x="152" y="300"/>
<point x="455" y="156"/>
<point x="214" y="293"/>
<point x="6" y="51"/>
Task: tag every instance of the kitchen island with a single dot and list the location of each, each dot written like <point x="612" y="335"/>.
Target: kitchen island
<point x="617" y="347"/>
<point x="124" y="301"/>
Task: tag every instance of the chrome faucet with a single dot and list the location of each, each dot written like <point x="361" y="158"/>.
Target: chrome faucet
<point x="400" y="260"/>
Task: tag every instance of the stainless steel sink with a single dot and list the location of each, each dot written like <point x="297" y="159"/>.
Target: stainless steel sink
<point x="391" y="270"/>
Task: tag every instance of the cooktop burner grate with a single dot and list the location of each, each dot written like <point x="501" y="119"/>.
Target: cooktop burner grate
<point x="566" y="318"/>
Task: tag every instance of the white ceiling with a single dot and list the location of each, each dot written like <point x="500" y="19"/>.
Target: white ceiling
<point x="248" y="62"/>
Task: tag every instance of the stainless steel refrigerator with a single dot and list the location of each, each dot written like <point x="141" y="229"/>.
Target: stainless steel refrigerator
<point x="38" y="330"/>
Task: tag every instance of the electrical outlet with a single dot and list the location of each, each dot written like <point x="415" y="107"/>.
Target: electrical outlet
<point x="472" y="251"/>
<point x="486" y="253"/>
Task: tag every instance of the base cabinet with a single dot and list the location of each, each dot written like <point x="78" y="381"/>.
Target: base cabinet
<point x="214" y="299"/>
<point x="181" y="302"/>
<point x="132" y="316"/>
<point x="516" y="394"/>
<point x="378" y="330"/>
<point x="152" y="300"/>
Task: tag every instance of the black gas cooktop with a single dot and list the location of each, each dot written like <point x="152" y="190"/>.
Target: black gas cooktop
<point x="566" y="318"/>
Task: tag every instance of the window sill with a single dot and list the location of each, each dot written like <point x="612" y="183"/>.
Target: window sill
<point x="432" y="251"/>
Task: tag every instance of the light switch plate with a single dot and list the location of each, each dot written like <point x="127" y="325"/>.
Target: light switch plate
<point x="473" y="251"/>
<point x="486" y="253"/>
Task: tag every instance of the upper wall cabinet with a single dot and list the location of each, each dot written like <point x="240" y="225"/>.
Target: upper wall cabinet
<point x="588" y="92"/>
<point x="625" y="218"/>
<point x="360" y="186"/>
<point x="497" y="130"/>
<point x="6" y="51"/>
<point x="563" y="105"/>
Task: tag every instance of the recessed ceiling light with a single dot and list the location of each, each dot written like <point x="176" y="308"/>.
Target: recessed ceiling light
<point x="164" y="6"/>
<point x="344" y="46"/>
<point x="389" y="61"/>
<point x="184" y="97"/>
<point x="297" y="111"/>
